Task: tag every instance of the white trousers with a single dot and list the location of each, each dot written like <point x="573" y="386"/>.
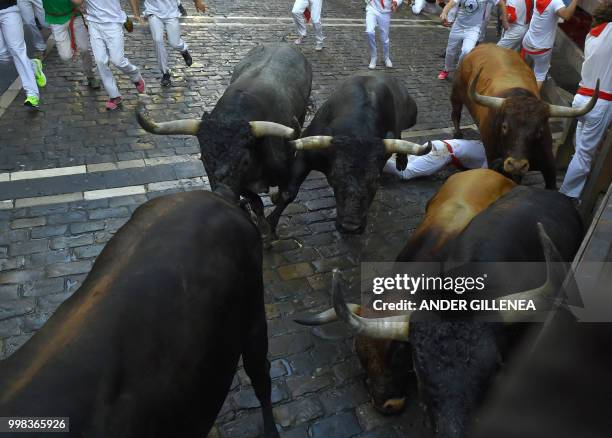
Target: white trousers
<point x="423" y="165"/>
<point x="375" y="19"/>
<point x="61" y="34"/>
<point x="419" y="5"/>
<point x="315" y="17"/>
<point x="589" y="132"/>
<point x="485" y="22"/>
<point x="107" y="45"/>
<point x="173" y="30"/>
<point x="513" y="37"/>
<point x="12" y="45"/>
<point x="461" y="41"/>
<point x="541" y="64"/>
<point x="30" y="10"/>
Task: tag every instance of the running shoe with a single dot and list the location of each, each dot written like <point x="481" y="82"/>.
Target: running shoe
<point x="140" y="85"/>
<point x="31" y="102"/>
<point x="113" y="103"/>
<point x="165" y="80"/>
<point x="41" y="79"/>
<point x="442" y="75"/>
<point x="187" y="58"/>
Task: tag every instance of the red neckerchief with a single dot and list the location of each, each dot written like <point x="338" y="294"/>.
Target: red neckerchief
<point x="597" y="30"/>
<point x="541" y="5"/>
<point x="529" y="9"/>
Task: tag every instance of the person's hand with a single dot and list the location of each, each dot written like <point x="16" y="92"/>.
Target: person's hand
<point x="199" y="5"/>
<point x="137" y="19"/>
<point x="444" y="15"/>
<point x="393" y="6"/>
<point x="505" y="24"/>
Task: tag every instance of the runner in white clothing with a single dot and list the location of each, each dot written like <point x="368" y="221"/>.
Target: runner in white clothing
<point x="30" y="11"/>
<point x="540" y="38"/>
<point x="593" y="125"/>
<point x="378" y="14"/>
<point x="106" y="20"/>
<point x="466" y="30"/>
<point x="463" y="154"/>
<point x="304" y="11"/>
<point x="428" y="6"/>
<point x="164" y="15"/>
<point x="519" y="15"/>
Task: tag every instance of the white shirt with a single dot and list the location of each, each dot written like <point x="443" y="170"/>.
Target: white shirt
<point x="518" y="9"/>
<point x="377" y="5"/>
<point x="104" y="11"/>
<point x="470" y="153"/>
<point x="598" y="58"/>
<point x="162" y="8"/>
<point x="543" y="26"/>
<point x="472" y="12"/>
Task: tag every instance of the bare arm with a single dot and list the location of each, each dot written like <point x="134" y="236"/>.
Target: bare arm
<point x="77" y="2"/>
<point x="568" y="12"/>
<point x="199" y="5"/>
<point x="504" y="14"/>
<point x="448" y="7"/>
<point x="135" y="10"/>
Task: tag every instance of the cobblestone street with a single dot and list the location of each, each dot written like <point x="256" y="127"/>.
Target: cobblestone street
<point x="72" y="174"/>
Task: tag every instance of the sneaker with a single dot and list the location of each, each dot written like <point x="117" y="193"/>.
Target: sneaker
<point x="93" y="83"/>
<point x="113" y="103"/>
<point x="319" y="47"/>
<point x="372" y="65"/>
<point x="388" y="63"/>
<point x="140" y="85"/>
<point x="187" y="58"/>
<point x="442" y="75"/>
<point x="299" y="41"/>
<point x="165" y="80"/>
<point x="182" y="10"/>
<point x="41" y="79"/>
<point x="31" y="102"/>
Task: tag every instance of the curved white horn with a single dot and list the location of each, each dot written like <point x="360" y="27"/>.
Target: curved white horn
<point x="393" y="327"/>
<point x="567" y="111"/>
<point x="262" y="129"/>
<point x="488" y="101"/>
<point x="176" y="127"/>
<point x="312" y="143"/>
<point x="394" y="146"/>
<point x="326" y="316"/>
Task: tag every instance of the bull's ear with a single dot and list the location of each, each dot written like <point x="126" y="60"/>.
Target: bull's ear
<point x="401" y="161"/>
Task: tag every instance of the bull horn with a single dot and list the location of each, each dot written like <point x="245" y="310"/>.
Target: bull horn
<point x="546" y="294"/>
<point x="567" y="111"/>
<point x="262" y="129"/>
<point x="394" y="146"/>
<point x="488" y="101"/>
<point x="312" y="143"/>
<point x="326" y="316"/>
<point x="393" y="327"/>
<point x="176" y="127"/>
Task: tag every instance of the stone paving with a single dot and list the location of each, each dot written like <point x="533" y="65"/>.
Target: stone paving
<point x="48" y="246"/>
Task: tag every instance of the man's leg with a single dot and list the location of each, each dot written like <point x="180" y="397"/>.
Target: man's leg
<point x="26" y="10"/>
<point x="173" y="30"/>
<point x="512" y="38"/>
<point x="97" y="37"/>
<point x="11" y="27"/>
<point x="81" y="37"/>
<point x="370" y="32"/>
<point x="298" y="18"/>
<point x="116" y="53"/>
<point x="470" y="38"/>
<point x="419" y="166"/>
<point x="455" y="40"/>
<point x="589" y="132"/>
<point x="418" y="6"/>
<point x="541" y="64"/>
<point x="315" y="17"/>
<point x="156" y="25"/>
<point x="384" y="23"/>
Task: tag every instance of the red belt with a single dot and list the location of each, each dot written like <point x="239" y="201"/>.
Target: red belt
<point x="524" y="52"/>
<point x="454" y="161"/>
<point x="583" y="91"/>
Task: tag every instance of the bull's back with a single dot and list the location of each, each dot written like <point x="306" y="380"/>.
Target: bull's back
<point x="139" y="315"/>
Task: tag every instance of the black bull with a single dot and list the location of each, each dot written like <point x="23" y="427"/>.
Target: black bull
<point x="149" y="344"/>
<point x="243" y="140"/>
<point x="350" y="138"/>
<point x="454" y="360"/>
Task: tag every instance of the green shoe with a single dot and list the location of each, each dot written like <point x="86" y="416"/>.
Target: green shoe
<point x="41" y="79"/>
<point x="32" y="102"/>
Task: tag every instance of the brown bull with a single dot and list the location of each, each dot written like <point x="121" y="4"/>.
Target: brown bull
<point x="502" y="95"/>
<point x="387" y="363"/>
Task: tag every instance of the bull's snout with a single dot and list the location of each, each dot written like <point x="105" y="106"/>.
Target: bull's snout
<point x="350" y="227"/>
<point x="516" y="167"/>
<point x="392" y="406"/>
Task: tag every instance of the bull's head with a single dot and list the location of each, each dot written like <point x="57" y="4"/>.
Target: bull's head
<point x="230" y="148"/>
<point x="522" y="123"/>
<point x="355" y="172"/>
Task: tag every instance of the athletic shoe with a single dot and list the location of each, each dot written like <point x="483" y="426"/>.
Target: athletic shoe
<point x="140" y="85"/>
<point x="299" y="41"/>
<point x="187" y="58"/>
<point x="165" y="80"/>
<point x="41" y="79"/>
<point x="372" y="65"/>
<point x="182" y="10"/>
<point x="442" y="75"/>
<point x="319" y="47"/>
<point x="31" y="102"/>
<point x="93" y="83"/>
<point x="113" y="103"/>
<point x="388" y="63"/>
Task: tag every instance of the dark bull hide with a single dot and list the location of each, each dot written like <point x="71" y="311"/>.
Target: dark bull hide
<point x="502" y="95"/>
<point x="149" y="344"/>
<point x="350" y="138"/>
<point x="244" y="139"/>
